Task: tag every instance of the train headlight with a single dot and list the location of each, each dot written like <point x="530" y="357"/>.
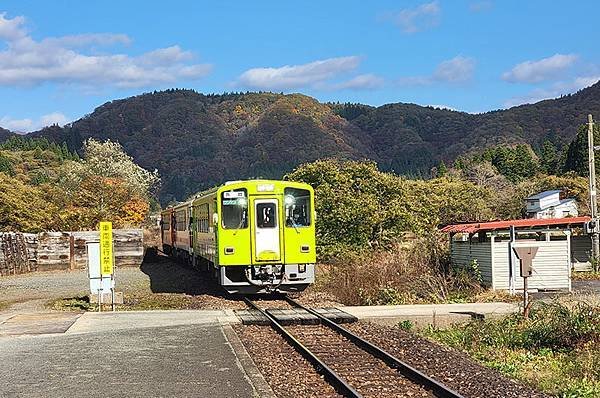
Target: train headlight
<point x="301" y="268"/>
<point x="289" y="200"/>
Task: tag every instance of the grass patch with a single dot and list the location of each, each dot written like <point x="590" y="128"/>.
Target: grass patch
<point x="157" y="301"/>
<point x="556" y="350"/>
<point x="138" y="301"/>
<point x="5" y="304"/>
<point x="78" y="303"/>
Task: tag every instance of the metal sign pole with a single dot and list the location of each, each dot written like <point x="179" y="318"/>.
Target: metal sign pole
<point x="526" y="256"/>
<point x="511" y="266"/>
<point x="592" y="182"/>
<point x="100" y="294"/>
<point x="525" y="298"/>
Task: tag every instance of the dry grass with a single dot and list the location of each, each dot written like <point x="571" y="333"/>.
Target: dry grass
<point x="418" y="273"/>
<point x="586" y="276"/>
<point x="152" y="237"/>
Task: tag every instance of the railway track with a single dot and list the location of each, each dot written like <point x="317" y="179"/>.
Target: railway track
<point x="351" y="364"/>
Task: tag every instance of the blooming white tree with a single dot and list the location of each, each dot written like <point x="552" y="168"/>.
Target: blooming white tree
<point x="108" y="159"/>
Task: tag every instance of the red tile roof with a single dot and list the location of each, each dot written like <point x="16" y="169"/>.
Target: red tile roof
<point x="506" y="224"/>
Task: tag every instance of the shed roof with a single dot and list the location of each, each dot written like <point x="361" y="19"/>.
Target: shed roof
<point x="506" y="224"/>
<point x="542" y="195"/>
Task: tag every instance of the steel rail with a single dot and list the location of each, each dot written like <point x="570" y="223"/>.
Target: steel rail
<point x="340" y="385"/>
<point x="438" y="389"/>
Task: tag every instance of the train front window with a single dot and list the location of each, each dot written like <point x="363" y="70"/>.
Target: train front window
<point x="297" y="207"/>
<point x="266" y="215"/>
<point x="234" y="209"/>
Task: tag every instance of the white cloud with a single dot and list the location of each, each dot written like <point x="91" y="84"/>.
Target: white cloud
<point x="11" y="29"/>
<point x="313" y="74"/>
<point x="74" y="41"/>
<point x="446" y="107"/>
<point x="53" y="118"/>
<point x="481" y="6"/>
<point x="541" y="70"/>
<point x="456" y="70"/>
<point x="412" y="20"/>
<point x="555" y="90"/>
<point x="28" y="125"/>
<point x="27" y="62"/>
<point x="360" y="82"/>
<point x="17" y="125"/>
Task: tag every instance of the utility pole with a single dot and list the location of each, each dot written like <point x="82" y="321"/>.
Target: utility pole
<point x="593" y="201"/>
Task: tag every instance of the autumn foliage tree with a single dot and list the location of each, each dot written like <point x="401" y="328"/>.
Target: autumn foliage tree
<point x="106" y="185"/>
<point x="40" y="190"/>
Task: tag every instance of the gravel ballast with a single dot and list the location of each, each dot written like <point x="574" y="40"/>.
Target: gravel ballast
<point x="448" y="366"/>
<point x="286" y="371"/>
<point x="370" y="376"/>
<point x="290" y="375"/>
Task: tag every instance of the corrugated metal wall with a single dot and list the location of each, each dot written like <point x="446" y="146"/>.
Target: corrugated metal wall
<point x="464" y="253"/>
<point x="551" y="265"/>
<point x="581" y="251"/>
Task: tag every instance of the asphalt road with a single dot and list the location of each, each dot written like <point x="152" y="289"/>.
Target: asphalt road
<point x="175" y="361"/>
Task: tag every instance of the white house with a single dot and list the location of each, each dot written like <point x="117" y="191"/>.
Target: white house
<point x="548" y="204"/>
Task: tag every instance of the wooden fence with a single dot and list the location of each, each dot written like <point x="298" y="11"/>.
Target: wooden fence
<point x="46" y="251"/>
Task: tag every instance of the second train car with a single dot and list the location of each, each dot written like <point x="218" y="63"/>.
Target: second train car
<point x="254" y="236"/>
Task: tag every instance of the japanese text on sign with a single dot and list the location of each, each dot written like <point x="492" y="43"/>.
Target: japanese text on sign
<point x="106" y="248"/>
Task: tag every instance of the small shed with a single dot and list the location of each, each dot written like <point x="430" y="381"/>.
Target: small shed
<point x="491" y="245"/>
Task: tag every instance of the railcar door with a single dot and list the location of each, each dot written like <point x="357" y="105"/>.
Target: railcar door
<point x="267" y="245"/>
<point x="173" y="229"/>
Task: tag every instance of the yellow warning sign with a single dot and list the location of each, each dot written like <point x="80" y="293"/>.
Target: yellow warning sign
<point x="106" y="248"/>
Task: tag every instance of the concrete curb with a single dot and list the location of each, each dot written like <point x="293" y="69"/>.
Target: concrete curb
<point x="436" y="315"/>
<point x="246" y="364"/>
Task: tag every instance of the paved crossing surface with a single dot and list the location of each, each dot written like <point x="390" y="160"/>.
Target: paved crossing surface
<point x="164" y="354"/>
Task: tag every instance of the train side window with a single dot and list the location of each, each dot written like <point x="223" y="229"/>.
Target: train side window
<point x="180" y="221"/>
<point x="234" y="209"/>
<point x="297" y="207"/>
<point x="202" y="221"/>
<point x="266" y="215"/>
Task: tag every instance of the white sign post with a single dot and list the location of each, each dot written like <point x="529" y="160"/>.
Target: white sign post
<point x="98" y="284"/>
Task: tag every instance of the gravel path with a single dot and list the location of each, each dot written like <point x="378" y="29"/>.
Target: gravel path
<point x="54" y="284"/>
<point x="446" y="365"/>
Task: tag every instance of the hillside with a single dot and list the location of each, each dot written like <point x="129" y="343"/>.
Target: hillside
<point x="5" y="134"/>
<point x="197" y="141"/>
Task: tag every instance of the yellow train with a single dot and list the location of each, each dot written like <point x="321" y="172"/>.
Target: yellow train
<point x="253" y="236"/>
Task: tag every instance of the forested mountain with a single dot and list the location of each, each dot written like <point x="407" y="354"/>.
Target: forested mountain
<point x="197" y="141"/>
<point x="5" y="134"/>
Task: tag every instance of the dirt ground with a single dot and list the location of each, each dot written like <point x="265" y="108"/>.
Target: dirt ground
<point x="159" y="283"/>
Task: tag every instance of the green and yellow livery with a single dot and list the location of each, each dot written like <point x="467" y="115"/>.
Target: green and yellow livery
<point x="253" y="236"/>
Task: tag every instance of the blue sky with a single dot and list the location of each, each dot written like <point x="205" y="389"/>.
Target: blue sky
<point x="61" y="59"/>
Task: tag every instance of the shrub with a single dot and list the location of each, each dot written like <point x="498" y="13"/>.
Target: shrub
<point x="361" y="208"/>
<point x="552" y="326"/>
<point x="413" y="273"/>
